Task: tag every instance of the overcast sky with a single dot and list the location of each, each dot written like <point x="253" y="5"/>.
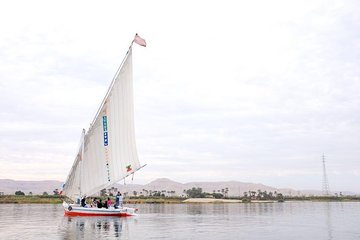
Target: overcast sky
<point x="253" y="91"/>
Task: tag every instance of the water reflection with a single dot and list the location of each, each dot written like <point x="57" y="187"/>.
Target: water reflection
<point x="328" y="220"/>
<point x="276" y="221"/>
<point x="92" y="227"/>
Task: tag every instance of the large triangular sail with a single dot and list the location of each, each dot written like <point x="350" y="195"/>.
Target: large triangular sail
<point x="108" y="152"/>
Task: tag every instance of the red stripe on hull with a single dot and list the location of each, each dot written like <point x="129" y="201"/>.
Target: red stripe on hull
<point x="74" y="213"/>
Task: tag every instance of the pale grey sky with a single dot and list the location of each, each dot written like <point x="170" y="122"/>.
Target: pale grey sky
<point x="251" y="91"/>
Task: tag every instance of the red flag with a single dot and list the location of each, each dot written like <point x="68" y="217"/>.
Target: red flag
<point x="140" y="40"/>
<point x="128" y="168"/>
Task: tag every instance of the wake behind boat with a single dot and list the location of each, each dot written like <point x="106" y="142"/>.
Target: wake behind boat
<point x="107" y="152"/>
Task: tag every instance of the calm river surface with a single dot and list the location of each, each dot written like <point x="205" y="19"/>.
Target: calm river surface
<point x="270" y="221"/>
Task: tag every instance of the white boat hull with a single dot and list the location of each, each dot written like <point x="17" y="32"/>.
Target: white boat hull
<point x="76" y="210"/>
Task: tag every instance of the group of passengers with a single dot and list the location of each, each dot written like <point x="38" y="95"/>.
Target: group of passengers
<point x="98" y="203"/>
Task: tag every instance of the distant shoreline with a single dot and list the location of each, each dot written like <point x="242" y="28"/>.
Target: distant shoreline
<point x="36" y="199"/>
<point x="214" y="200"/>
<point x="55" y="199"/>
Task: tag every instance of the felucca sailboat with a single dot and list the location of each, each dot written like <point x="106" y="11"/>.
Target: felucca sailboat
<point x="107" y="152"/>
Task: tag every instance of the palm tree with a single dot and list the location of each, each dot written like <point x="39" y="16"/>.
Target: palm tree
<point x="271" y="195"/>
<point x="265" y="195"/>
<point x="226" y="192"/>
<point x="253" y="194"/>
<point x="56" y="191"/>
<point x="259" y="193"/>
<point x="109" y="192"/>
<point x="102" y="192"/>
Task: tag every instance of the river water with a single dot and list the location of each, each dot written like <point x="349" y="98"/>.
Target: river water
<point x="270" y="221"/>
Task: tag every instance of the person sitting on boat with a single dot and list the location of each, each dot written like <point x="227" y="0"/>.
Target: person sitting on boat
<point x="83" y="201"/>
<point x="99" y="204"/>
<point x="94" y="203"/>
<point x="109" y="202"/>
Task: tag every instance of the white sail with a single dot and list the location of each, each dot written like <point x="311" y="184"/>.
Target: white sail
<point x="108" y="153"/>
<point x="72" y="186"/>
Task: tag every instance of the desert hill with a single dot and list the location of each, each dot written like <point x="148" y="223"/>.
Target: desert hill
<point x="163" y="185"/>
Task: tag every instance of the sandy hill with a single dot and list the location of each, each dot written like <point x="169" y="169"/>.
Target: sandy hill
<point x="164" y="185"/>
<point x="177" y="189"/>
<point x="9" y="186"/>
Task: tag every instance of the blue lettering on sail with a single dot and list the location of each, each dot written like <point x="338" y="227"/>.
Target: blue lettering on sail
<point x="106" y="140"/>
<point x="105" y="123"/>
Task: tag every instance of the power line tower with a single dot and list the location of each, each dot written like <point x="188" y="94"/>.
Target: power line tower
<point x="325" y="182"/>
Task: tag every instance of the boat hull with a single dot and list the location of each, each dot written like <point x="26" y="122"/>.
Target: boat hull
<point x="74" y="210"/>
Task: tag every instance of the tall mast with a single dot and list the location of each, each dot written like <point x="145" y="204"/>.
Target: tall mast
<point x="82" y="159"/>
<point x="136" y="40"/>
<point x="111" y="85"/>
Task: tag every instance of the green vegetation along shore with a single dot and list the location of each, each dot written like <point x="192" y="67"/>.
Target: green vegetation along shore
<point x="56" y="199"/>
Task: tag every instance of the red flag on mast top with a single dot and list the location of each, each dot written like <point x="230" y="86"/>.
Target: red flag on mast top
<point x="139" y="40"/>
